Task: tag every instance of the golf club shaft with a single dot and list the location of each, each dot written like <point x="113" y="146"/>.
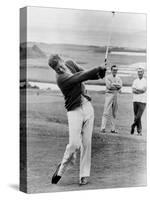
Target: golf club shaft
<point x="109" y="38"/>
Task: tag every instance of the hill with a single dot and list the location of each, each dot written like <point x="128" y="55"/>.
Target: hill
<point x="32" y="52"/>
<point x="48" y="48"/>
<point x="86" y="56"/>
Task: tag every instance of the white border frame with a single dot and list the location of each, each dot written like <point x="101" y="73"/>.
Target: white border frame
<point x="9" y="87"/>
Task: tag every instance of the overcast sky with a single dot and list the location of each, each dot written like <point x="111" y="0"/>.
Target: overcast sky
<point x="84" y="27"/>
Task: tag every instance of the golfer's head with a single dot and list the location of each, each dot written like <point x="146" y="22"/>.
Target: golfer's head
<point x="57" y="63"/>
<point x="140" y="72"/>
<point x="114" y="70"/>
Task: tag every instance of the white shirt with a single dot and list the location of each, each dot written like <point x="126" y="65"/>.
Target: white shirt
<point x="139" y="84"/>
<point x="109" y="80"/>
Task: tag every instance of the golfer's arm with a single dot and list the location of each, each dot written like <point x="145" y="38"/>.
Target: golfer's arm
<point x="77" y="67"/>
<point x="81" y="76"/>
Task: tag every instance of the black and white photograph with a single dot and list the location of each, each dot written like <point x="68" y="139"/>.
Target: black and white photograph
<point x="83" y="96"/>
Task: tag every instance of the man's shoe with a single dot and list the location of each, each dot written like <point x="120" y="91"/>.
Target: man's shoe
<point x="56" y="177"/>
<point x="132" y="130"/>
<point x="83" y="181"/>
<point x="103" y="130"/>
<point x="114" y="131"/>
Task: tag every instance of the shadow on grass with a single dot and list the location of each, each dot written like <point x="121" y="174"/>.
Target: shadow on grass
<point x="14" y="187"/>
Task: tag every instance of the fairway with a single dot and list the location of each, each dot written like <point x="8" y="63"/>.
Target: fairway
<point x="117" y="160"/>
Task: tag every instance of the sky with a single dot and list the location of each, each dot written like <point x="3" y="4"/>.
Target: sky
<point x="85" y="27"/>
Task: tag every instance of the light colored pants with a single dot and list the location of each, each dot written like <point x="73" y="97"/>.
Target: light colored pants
<point x="80" y="123"/>
<point x="110" y="110"/>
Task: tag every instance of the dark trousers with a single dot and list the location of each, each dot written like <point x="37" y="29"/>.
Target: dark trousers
<point x="138" y="111"/>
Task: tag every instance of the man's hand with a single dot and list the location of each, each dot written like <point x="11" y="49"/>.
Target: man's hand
<point x="118" y="86"/>
<point x="137" y="91"/>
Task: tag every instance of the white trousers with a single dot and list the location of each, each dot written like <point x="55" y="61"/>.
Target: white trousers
<point x="110" y="110"/>
<point x="80" y="123"/>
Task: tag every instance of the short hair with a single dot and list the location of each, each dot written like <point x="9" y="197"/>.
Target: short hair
<point x="53" y="60"/>
<point x="140" y="69"/>
<point x="114" y="66"/>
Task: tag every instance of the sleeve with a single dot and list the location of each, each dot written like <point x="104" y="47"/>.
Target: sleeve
<point x="120" y="82"/>
<point x="108" y="83"/>
<point x="79" y="77"/>
<point x="75" y="67"/>
<point x="145" y="85"/>
<point x="134" y="84"/>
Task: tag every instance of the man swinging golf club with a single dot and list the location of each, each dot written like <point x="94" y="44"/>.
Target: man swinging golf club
<point x="80" y="113"/>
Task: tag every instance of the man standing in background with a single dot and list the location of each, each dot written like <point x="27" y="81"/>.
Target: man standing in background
<point x="139" y="100"/>
<point x="113" y="87"/>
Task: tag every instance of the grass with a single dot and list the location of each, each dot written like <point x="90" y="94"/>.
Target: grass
<point x="117" y="160"/>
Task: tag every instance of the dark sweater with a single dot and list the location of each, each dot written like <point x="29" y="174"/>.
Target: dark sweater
<point x="72" y="86"/>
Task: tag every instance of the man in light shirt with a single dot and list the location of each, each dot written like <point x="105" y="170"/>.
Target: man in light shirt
<point x="113" y="87"/>
<point x="139" y="100"/>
